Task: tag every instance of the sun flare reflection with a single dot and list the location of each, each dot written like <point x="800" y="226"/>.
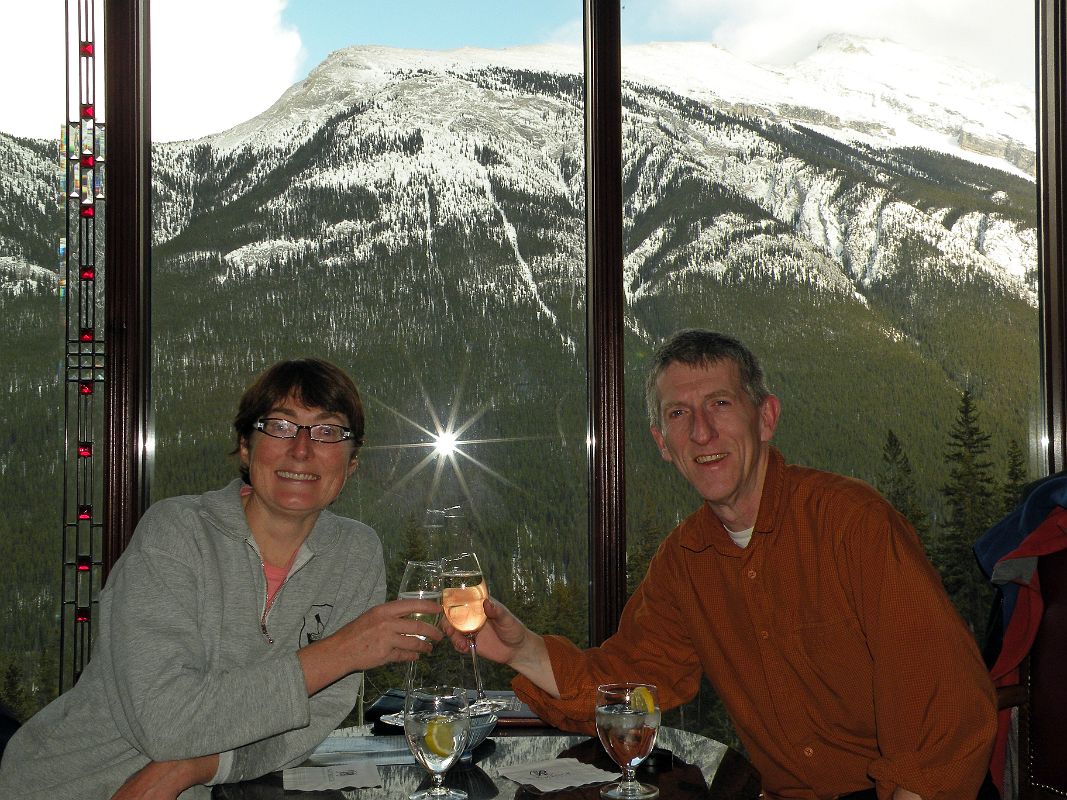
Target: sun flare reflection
<point x="445" y="443"/>
<point x="448" y="449"/>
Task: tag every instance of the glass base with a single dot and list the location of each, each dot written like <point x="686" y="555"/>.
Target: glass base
<point x="487" y="706"/>
<point x="629" y="790"/>
<point x="444" y="793"/>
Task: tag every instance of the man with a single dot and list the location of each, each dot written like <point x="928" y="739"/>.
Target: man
<point x="802" y="595"/>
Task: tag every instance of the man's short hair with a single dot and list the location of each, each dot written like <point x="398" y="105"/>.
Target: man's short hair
<point x="698" y="347"/>
<point x="315" y="383"/>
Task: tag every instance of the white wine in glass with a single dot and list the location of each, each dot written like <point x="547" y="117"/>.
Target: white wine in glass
<point x="436" y="725"/>
<point x="627" y="721"/>
<point x="463" y="592"/>
<point x="421" y="581"/>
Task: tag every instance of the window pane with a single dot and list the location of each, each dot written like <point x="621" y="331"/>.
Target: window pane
<point x="417" y="217"/>
<point x="37" y="379"/>
<point x="859" y="208"/>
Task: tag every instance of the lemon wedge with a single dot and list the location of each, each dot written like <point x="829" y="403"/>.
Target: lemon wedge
<point x="641" y="700"/>
<point x="439" y="737"/>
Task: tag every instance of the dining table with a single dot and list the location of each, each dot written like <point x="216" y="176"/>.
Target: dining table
<point x="683" y="765"/>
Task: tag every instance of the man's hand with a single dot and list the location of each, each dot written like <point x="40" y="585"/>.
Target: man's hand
<point x="900" y="793"/>
<point x="381" y="635"/>
<point x="506" y="640"/>
<point x="165" y="780"/>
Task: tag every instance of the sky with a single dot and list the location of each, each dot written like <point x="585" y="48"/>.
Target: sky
<point x="207" y="77"/>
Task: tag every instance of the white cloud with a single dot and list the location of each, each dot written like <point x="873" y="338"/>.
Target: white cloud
<point x="215" y="63"/>
<point x="31" y="61"/>
<point x="570" y="33"/>
<point x="994" y="35"/>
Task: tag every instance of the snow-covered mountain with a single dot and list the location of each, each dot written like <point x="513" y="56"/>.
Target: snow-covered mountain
<point x="692" y="107"/>
<point x="856" y="88"/>
<point x="447" y="190"/>
<point x="859" y="89"/>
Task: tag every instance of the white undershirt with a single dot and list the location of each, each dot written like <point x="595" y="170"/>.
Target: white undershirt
<point x="741" y="538"/>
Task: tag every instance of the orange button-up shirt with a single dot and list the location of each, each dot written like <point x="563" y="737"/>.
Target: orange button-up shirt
<point x="830" y="640"/>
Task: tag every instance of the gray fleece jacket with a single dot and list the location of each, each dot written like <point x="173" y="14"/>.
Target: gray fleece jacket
<point x="184" y="664"/>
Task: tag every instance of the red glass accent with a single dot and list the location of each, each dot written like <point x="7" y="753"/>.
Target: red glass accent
<point x="88" y="161"/>
<point x="87" y="273"/>
<point x="84" y="512"/>
<point x="88" y="211"/>
<point x="86" y="335"/>
<point x="85" y="388"/>
<point x="86" y="49"/>
<point x="81" y="615"/>
<point x="88" y="111"/>
<point x="85" y="449"/>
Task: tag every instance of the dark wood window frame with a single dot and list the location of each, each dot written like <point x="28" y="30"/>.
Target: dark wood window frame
<point x="128" y="277"/>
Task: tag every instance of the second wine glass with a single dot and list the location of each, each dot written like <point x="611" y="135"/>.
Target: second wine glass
<point x="463" y="591"/>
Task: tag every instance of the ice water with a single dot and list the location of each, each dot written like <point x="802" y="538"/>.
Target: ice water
<point x="437" y="753"/>
<point x="628" y="734"/>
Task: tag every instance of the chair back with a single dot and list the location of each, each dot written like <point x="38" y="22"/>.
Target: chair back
<point x="1043" y="769"/>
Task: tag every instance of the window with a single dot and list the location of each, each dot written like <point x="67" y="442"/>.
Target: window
<point x="416" y="216"/>
<point x="861" y="209"/>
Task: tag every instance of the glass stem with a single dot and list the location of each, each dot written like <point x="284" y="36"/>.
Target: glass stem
<point x="474" y="665"/>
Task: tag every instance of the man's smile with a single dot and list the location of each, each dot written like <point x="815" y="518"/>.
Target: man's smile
<point x="711" y="458"/>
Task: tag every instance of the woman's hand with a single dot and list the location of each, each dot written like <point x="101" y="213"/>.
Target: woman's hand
<point x="381" y="635"/>
<point x="165" y="780"/>
<point x="386" y="633"/>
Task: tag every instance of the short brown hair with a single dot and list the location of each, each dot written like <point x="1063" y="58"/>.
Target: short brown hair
<point x="698" y="347"/>
<point x="314" y="382"/>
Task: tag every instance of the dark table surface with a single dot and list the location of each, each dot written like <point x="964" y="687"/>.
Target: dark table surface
<point x="685" y="766"/>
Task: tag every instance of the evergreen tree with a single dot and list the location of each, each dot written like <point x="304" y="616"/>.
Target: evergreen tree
<point x="897" y="482"/>
<point x="1015" y="479"/>
<point x="564" y="604"/>
<point x="413" y="548"/>
<point x="643" y="542"/>
<point x="46" y="677"/>
<point x="14" y="693"/>
<point x="972" y="508"/>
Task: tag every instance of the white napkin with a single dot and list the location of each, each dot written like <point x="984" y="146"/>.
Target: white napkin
<point x="556" y="773"/>
<point x="355" y="775"/>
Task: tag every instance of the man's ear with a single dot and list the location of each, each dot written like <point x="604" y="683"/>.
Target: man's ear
<point x="769" y="411"/>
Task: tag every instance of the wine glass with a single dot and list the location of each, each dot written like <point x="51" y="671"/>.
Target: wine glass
<point x="627" y="721"/>
<point x="436" y="725"/>
<point x="421" y="581"/>
<point x="462" y="594"/>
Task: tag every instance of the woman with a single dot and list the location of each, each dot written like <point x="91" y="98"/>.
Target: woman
<point x="235" y="627"/>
